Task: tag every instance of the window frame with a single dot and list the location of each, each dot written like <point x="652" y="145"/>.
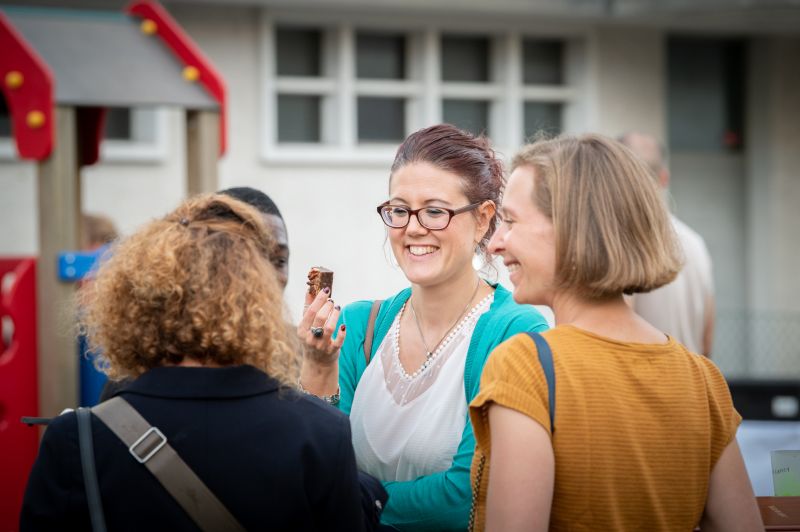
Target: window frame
<point x="423" y="90"/>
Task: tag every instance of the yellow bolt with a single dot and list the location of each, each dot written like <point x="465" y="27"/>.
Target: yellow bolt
<point x="191" y="73"/>
<point x="14" y="79"/>
<point x="148" y="26"/>
<point x="35" y="119"/>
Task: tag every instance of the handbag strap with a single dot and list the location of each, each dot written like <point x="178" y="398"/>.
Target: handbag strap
<point x="546" y="360"/>
<point x="370" y="334"/>
<point x="86" y="445"/>
<point x="150" y="447"/>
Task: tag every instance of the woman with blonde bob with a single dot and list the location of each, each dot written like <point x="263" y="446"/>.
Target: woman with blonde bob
<point x="643" y="431"/>
<point x="191" y="307"/>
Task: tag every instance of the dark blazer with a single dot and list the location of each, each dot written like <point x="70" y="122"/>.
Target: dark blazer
<point x="277" y="459"/>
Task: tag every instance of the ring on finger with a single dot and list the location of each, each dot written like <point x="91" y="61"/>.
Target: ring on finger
<point x="316" y="332"/>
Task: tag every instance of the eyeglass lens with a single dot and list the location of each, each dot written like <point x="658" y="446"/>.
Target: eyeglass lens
<point x="430" y="217"/>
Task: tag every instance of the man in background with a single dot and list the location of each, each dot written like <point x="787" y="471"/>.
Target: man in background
<point x="684" y="308"/>
<point x="274" y="221"/>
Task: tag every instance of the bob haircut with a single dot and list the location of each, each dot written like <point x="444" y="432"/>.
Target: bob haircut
<point x="197" y="283"/>
<point x="613" y="233"/>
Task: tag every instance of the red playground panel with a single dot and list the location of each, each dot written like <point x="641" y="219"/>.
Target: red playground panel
<point x="19" y="389"/>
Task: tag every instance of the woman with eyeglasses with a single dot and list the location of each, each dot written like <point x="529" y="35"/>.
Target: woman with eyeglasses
<point x="408" y="402"/>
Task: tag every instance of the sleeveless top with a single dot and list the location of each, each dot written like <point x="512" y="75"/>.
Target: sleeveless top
<point x="406" y="426"/>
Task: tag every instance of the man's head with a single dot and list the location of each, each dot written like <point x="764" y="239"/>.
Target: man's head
<point x="274" y="220"/>
<point x="649" y="150"/>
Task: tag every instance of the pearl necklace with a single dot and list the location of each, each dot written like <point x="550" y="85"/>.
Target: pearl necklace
<point x="430" y="360"/>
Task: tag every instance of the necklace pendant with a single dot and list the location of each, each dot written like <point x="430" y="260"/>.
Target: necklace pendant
<point x="429" y="355"/>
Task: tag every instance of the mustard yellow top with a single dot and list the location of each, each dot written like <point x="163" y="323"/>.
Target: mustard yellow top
<point x="639" y="428"/>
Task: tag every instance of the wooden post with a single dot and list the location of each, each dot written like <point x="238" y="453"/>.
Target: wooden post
<point x="59" y="230"/>
<point x="202" y="151"/>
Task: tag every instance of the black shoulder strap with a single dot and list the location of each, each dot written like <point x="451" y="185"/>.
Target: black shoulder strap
<point x="86" y="445"/>
<point x="546" y="360"/>
<point x="370" y="333"/>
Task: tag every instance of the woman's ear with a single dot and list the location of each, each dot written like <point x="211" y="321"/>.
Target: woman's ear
<point x="486" y="212"/>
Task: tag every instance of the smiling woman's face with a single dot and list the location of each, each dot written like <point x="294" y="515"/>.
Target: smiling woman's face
<point x="429" y="258"/>
<point x="525" y="239"/>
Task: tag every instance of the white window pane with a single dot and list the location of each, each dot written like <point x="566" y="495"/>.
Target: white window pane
<point x="380" y="56"/>
<point x="381" y="119"/>
<point x="298" y="118"/>
<point x="465" y="58"/>
<point x="299" y="52"/>
<point x="118" y="124"/>
<point x="470" y="115"/>
<point x="5" y="118"/>
<point x="542" y="117"/>
<point x="543" y="62"/>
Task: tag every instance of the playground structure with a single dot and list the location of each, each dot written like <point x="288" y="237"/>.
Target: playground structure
<point x="60" y="71"/>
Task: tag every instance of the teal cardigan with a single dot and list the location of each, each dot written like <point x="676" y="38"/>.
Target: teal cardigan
<point x="440" y="501"/>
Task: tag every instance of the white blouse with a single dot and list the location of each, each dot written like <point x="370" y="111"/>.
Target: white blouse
<point x="406" y="426"/>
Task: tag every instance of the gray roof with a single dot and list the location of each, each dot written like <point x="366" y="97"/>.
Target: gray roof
<point x="102" y="58"/>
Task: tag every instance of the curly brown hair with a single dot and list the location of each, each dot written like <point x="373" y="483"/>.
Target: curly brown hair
<point x="195" y="284"/>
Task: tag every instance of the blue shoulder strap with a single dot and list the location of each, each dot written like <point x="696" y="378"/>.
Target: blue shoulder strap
<point x="546" y="360"/>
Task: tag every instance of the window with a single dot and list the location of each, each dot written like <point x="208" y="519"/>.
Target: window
<point x="299" y="52"/>
<point x="353" y="92"/>
<point x="380" y="56"/>
<point x="465" y="58"/>
<point x="134" y="134"/>
<point x="381" y="110"/>
<point x="381" y="119"/>
<point x="542" y="68"/>
<point x="298" y="118"/>
<point x="706" y="94"/>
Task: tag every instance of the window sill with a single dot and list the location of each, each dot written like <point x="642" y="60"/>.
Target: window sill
<point x="123" y="152"/>
<point x="315" y="155"/>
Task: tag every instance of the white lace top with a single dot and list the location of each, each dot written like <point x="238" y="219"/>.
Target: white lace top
<point x="406" y="426"/>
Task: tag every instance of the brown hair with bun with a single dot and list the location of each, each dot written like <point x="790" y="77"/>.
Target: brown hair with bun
<point x="468" y="156"/>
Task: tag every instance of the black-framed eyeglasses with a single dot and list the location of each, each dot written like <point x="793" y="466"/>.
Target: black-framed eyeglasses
<point x="431" y="218"/>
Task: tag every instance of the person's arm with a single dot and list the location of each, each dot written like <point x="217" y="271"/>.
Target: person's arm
<point x="320" y="372"/>
<point x="708" y="325"/>
<point x="440" y="501"/>
<point x="731" y="505"/>
<point x="521" y="472"/>
<point x="53" y="496"/>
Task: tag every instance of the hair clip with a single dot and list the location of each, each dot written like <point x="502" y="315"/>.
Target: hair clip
<point x="184" y="222"/>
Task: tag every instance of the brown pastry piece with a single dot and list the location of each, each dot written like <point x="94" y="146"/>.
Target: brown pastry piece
<point x="320" y="278"/>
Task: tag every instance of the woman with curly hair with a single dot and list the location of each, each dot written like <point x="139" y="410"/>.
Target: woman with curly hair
<point x="191" y="307"/>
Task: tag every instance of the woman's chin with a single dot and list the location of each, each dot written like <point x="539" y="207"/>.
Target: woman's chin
<point x="521" y="297"/>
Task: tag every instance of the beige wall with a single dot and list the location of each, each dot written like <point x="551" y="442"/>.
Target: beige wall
<point x="626" y="80"/>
